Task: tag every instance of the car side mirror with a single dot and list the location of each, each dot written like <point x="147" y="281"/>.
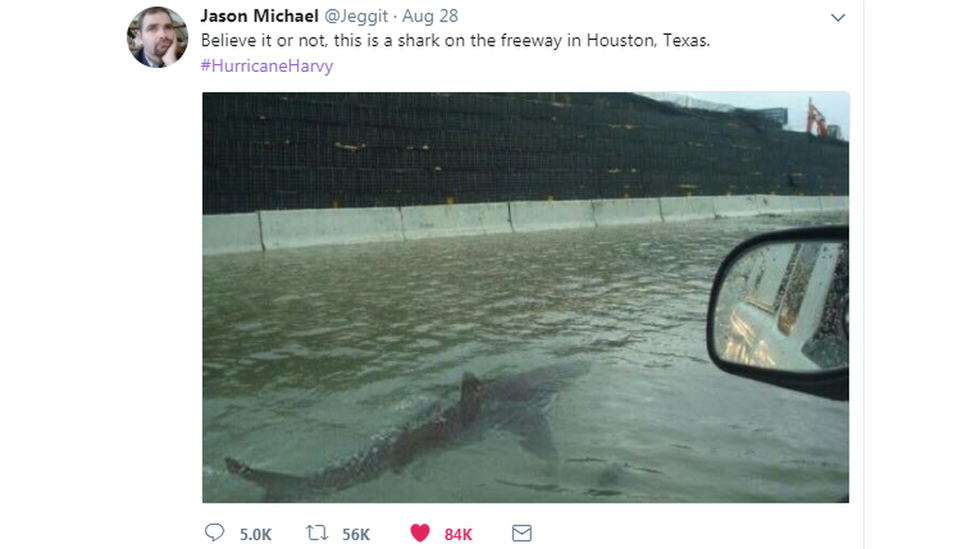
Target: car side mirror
<point x="779" y="311"/>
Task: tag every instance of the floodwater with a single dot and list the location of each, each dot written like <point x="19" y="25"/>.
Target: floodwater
<point x="315" y="354"/>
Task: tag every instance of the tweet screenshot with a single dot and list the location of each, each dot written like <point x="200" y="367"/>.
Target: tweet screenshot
<point x="506" y="274"/>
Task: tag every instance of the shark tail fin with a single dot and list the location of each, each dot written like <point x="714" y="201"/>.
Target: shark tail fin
<point x="237" y="468"/>
<point x="279" y="486"/>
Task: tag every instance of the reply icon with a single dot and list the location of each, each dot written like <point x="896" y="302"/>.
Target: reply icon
<point x="214" y="531"/>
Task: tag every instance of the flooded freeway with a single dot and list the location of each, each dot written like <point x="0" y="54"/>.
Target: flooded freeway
<point x="316" y="358"/>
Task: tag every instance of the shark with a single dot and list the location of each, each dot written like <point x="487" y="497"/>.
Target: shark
<point x="518" y="403"/>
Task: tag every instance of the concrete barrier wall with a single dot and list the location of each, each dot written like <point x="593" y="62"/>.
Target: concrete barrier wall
<point x="296" y="228"/>
<point x="771" y="204"/>
<point x="683" y="208"/>
<point x="631" y="211"/>
<point x="455" y="220"/>
<point x="735" y="206"/>
<point x="232" y="233"/>
<point x="805" y="204"/>
<point x="835" y="203"/>
<point x="546" y="216"/>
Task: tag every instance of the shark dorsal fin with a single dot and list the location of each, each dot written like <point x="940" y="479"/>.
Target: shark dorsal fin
<point x="470" y="404"/>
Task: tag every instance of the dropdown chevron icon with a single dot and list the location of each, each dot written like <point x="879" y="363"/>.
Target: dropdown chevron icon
<point x="838" y="18"/>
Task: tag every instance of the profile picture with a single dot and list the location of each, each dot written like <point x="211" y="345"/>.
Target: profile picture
<point x="157" y="37"/>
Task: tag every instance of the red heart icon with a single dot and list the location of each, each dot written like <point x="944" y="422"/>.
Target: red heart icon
<point x="420" y="531"/>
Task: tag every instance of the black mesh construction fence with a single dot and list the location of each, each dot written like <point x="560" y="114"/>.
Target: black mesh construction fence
<point x="269" y="151"/>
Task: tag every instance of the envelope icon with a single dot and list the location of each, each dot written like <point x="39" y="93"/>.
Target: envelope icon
<point x="522" y="532"/>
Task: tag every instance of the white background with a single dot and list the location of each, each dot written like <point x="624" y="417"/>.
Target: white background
<point x="101" y="397"/>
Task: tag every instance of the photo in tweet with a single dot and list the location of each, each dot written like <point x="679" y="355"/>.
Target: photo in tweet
<point x="508" y="297"/>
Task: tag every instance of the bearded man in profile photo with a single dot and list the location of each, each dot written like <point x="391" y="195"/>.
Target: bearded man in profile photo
<point x="160" y="48"/>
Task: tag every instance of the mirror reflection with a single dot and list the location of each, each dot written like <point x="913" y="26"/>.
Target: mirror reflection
<point x="784" y="306"/>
